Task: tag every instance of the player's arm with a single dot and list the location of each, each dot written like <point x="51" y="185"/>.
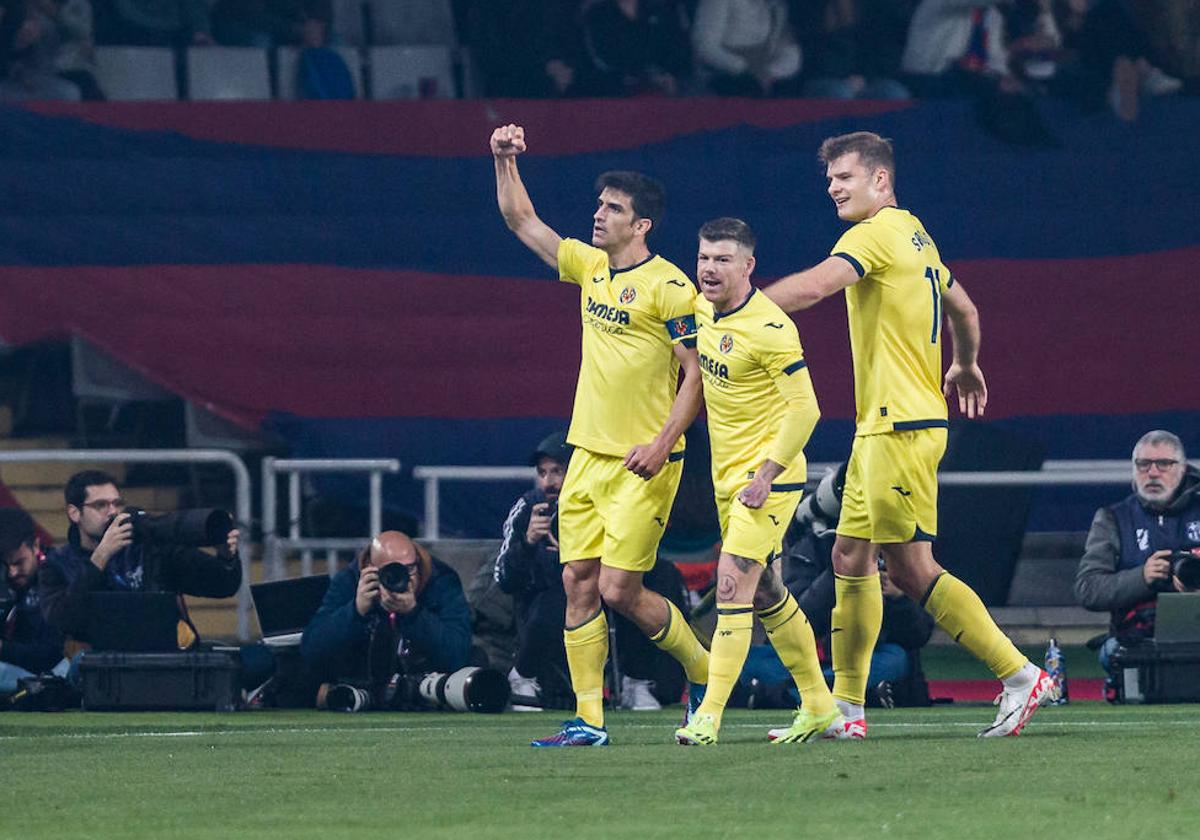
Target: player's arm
<point x="805" y="288"/>
<point x="647" y="459"/>
<point x="964" y="374"/>
<point x="800" y="415"/>
<point x="507" y="142"/>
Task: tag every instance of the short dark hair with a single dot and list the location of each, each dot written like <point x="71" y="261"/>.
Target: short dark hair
<point x="648" y="196"/>
<point x="16" y="529"/>
<point x="77" y="485"/>
<point x="727" y="228"/>
<point x="874" y="151"/>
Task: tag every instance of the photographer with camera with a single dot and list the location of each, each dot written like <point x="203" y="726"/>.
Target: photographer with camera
<point x="396" y="608"/>
<point x="28" y="645"/>
<point x="1143" y="545"/>
<point x="114" y="548"/>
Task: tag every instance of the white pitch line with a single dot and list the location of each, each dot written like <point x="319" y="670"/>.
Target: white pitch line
<point x="342" y="730"/>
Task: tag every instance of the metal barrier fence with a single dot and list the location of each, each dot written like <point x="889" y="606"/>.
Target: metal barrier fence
<point x="1051" y="473"/>
<point x="241" y="477"/>
<point x="275" y="546"/>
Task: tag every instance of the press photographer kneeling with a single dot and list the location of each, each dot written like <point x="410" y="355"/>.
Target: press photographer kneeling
<point x="394" y="631"/>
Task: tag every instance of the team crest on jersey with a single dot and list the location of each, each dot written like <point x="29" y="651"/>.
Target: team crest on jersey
<point x="1193" y="531"/>
<point x="628" y="295"/>
<point x="726" y="343"/>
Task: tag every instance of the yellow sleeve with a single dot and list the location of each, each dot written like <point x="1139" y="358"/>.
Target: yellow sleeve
<point x="865" y="247"/>
<point x="677" y="308"/>
<point x="576" y="261"/>
<point x="788" y="370"/>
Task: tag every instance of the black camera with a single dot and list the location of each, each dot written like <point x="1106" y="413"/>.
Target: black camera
<point x="196" y="528"/>
<point x="395" y="577"/>
<point x="1186" y="566"/>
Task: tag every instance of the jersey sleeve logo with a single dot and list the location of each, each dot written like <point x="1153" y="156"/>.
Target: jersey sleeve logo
<point x="726" y="343"/>
<point x="681" y="327"/>
<point x="628" y="295"/>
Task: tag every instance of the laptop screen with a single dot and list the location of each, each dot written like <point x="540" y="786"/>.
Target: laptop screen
<point x="284" y="607"/>
<point x="1177" y="617"/>
<point x="133" y="621"/>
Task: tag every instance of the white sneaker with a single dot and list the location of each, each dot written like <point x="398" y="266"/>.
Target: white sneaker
<point x="638" y="695"/>
<point x="1158" y="83"/>
<point x="1017" y="706"/>
<point x="526" y="692"/>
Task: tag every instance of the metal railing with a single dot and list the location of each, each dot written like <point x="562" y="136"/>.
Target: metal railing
<point x="241" y="477"/>
<point x="1060" y="472"/>
<point x="275" y="546"/>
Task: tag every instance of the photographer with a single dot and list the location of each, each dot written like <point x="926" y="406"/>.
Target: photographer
<point x="102" y="554"/>
<point x="397" y="599"/>
<point x="1134" y="547"/>
<point x="28" y="645"/>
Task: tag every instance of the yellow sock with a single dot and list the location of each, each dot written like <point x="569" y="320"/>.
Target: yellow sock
<point x="731" y="643"/>
<point x="677" y="639"/>
<point x="853" y="632"/>
<point x="587" y="650"/>
<point x="957" y="610"/>
<point x="792" y="637"/>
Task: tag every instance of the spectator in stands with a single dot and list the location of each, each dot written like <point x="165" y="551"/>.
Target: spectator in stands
<point x="376" y="619"/>
<point x="1125" y="562"/>
<point x="528" y="568"/>
<point x="153" y="23"/>
<point x="958" y="48"/>
<point x="32" y="51"/>
<point x="1115" y="55"/>
<point x="266" y="23"/>
<point x="526" y="48"/>
<point x="28" y="645"/>
<point x="75" y="58"/>
<point x="850" y="49"/>
<point x="636" y="47"/>
<point x="101" y="555"/>
<point x="746" y="48"/>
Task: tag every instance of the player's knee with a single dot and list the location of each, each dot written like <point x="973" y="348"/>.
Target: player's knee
<point x="580" y="580"/>
<point x="620" y="592"/>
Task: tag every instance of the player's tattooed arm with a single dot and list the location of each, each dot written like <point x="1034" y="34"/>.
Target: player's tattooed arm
<point x="508" y="141"/>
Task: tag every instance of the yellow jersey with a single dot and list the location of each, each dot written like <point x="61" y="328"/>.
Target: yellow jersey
<point x="757" y="391"/>
<point x="628" y="373"/>
<point x="895" y="314"/>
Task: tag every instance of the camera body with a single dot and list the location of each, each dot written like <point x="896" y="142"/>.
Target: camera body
<point x="1185" y="565"/>
<point x="395" y="577"/>
<point x="196" y="528"/>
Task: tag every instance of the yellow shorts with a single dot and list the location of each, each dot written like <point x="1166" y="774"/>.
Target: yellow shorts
<point x="606" y="511"/>
<point x="891" y="486"/>
<point x="756" y="534"/>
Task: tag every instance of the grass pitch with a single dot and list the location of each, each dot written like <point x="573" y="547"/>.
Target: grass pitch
<point x="1086" y="770"/>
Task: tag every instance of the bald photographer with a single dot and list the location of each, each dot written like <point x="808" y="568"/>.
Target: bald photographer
<point x="396" y="606"/>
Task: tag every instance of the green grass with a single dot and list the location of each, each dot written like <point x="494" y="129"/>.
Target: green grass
<point x="1086" y="770"/>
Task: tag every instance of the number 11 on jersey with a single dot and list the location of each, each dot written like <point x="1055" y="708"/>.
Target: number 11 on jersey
<point x="933" y="275"/>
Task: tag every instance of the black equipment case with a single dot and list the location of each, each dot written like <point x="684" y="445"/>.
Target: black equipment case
<point x="160" y="681"/>
<point x="1156" y="672"/>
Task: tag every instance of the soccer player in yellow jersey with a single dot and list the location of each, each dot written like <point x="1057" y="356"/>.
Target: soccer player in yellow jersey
<point x="627" y="424"/>
<point x="897" y="289"/>
<point x="761" y="411"/>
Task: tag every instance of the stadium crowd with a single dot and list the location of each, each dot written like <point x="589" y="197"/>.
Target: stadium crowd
<point x="1002" y="53"/>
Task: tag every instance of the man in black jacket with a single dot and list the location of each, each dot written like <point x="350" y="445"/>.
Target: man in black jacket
<point x="1126" y="563"/>
<point x="101" y="555"/>
<point x="28" y="645"/>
